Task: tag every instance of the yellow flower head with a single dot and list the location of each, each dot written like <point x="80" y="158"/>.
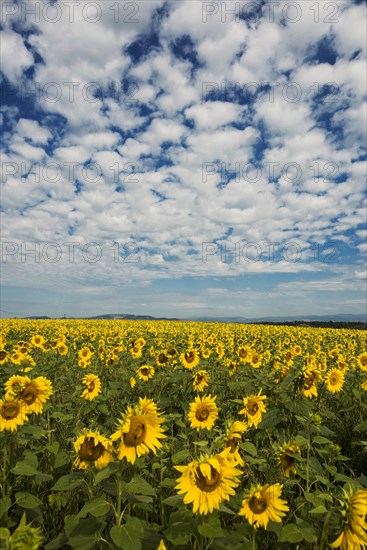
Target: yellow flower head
<point x="254" y="406"/>
<point x="190" y="359"/>
<point x="92" y="449"/>
<point x="145" y="372"/>
<point x="286" y="458"/>
<point x="208" y="482"/>
<point x="232" y="439"/>
<point x="353" y="533"/>
<point x="34" y="393"/>
<point x="203" y="412"/>
<point x="200" y="380"/>
<point x="93" y="387"/>
<point x="263" y="503"/>
<point x="334" y="380"/>
<point x="12" y="414"/>
<point x="139" y="431"/>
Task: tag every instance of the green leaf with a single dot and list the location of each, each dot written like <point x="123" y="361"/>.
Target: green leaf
<point x="320" y="509"/>
<point x="179" y="533"/>
<point x="168" y="482"/>
<point x="5" y="504"/>
<point x="68" y="482"/>
<point x="27" y="500"/>
<point x="4" y="536"/>
<point x="322" y="440"/>
<point x="290" y="533"/>
<point x="138" y="486"/>
<point x="36" y="432"/>
<point x="27" y="466"/>
<point x="106" y="472"/>
<point x="249" y="448"/>
<point x="96" y="507"/>
<point x="59" y="542"/>
<point x="211" y="528"/>
<point x="61" y="459"/>
<point x="129" y="535"/>
<point x="174" y="500"/>
<point x="180" y="456"/>
<point x="300" y="440"/>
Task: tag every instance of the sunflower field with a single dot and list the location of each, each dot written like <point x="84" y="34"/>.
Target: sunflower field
<point x="146" y="435"/>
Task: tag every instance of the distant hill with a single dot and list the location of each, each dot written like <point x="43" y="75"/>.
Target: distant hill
<point x="355" y="320"/>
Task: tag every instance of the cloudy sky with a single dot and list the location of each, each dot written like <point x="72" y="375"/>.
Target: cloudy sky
<point x="183" y="158"/>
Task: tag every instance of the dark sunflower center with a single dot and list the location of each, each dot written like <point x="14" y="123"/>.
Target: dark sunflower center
<point x="242" y="353"/>
<point x="136" y="433"/>
<point x="364" y="361"/>
<point x="232" y="444"/>
<point x="255" y="359"/>
<point x="171" y="351"/>
<point x="91" y="386"/>
<point x="205" y="484"/>
<point x="253" y="408"/>
<point x="29" y="394"/>
<point x="257" y="505"/>
<point x="288" y="356"/>
<point x="189" y="356"/>
<point x="308" y="383"/>
<point x="199" y="378"/>
<point x="202" y="414"/>
<point x="145" y="371"/>
<point x="162" y="358"/>
<point x="287" y="461"/>
<point x="10" y="410"/>
<point x="89" y="451"/>
<point x="2" y="355"/>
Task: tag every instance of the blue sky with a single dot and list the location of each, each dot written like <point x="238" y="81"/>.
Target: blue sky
<point x="183" y="158"/>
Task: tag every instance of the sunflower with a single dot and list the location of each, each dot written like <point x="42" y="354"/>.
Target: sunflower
<point x="364" y="385"/>
<point x="17" y="358"/>
<point x="62" y="349"/>
<point x="145" y="372"/>
<point x="190" y="359"/>
<point x="93" y="387"/>
<point x="354" y="526"/>
<point x="139" y="431"/>
<point x="232" y="438"/>
<point x="334" y="380"/>
<point x="15" y="384"/>
<point x="263" y="503"/>
<point x="4" y="356"/>
<point x="200" y="380"/>
<point x="132" y="382"/>
<point x="12" y="414"/>
<point x="206" y="352"/>
<point x="92" y="448"/>
<point x="286" y="458"/>
<point x="162" y="358"/>
<point x="310" y="378"/>
<point x="256" y="360"/>
<point x="254" y="406"/>
<point x="244" y="354"/>
<point x="136" y="352"/>
<point x="362" y="361"/>
<point x="203" y="412"/>
<point x="34" y="393"/>
<point x="38" y="341"/>
<point x="208" y="481"/>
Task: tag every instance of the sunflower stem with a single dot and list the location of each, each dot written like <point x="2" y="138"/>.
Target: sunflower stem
<point x="119" y="495"/>
<point x="253" y="539"/>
